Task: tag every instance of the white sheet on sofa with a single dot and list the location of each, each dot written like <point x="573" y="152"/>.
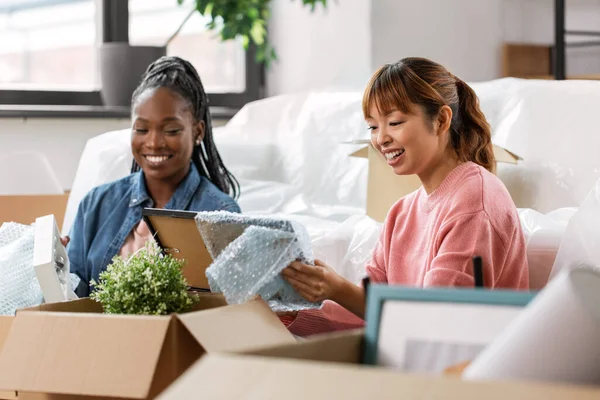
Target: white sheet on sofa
<point x="289" y="156"/>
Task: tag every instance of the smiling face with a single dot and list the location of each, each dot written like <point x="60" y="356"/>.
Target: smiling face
<point x="413" y="144"/>
<point x="164" y="134"/>
<point x="406" y="140"/>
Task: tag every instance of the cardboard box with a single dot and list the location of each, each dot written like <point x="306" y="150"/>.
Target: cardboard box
<point x="5" y="325"/>
<point x="291" y="372"/>
<point x="69" y="350"/>
<point x="24" y="209"/>
<point x="384" y="187"/>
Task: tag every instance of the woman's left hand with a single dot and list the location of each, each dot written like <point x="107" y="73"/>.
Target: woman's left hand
<point x="316" y="282"/>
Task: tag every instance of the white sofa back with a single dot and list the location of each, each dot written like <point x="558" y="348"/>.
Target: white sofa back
<point x="289" y="155"/>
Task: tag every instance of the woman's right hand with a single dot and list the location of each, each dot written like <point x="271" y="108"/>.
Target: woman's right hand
<point x="65" y="240"/>
<point x="314" y="283"/>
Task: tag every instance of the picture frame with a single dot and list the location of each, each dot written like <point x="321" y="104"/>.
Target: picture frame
<point x="176" y="234"/>
<point x="433" y="330"/>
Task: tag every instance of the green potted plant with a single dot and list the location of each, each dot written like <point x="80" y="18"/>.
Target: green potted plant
<point x="147" y="283"/>
<point x="246" y="19"/>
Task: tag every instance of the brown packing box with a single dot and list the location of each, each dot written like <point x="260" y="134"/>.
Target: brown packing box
<point x="24" y="209"/>
<point x="70" y="350"/>
<point x="291" y="372"/>
<point x="5" y="324"/>
<point x="177" y="234"/>
<point x="384" y="187"/>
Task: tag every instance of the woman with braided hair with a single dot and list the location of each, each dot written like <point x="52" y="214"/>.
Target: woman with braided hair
<point x="176" y="166"/>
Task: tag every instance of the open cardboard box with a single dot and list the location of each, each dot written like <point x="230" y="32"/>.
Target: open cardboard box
<point x="5" y="325"/>
<point x="24" y="209"/>
<point x="71" y="350"/>
<point x="384" y="187"/>
<point x="327" y="367"/>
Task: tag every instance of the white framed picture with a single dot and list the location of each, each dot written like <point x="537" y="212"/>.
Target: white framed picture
<point x="435" y="330"/>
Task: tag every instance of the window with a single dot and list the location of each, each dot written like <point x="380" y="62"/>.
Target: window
<point x="48" y="49"/>
<point x="39" y="35"/>
<point x="220" y="64"/>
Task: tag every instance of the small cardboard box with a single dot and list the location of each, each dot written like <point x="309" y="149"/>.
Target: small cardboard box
<point x="24" y="209"/>
<point x="384" y="187"/>
<point x="5" y="325"/>
<point x="69" y="350"/>
<point x="298" y="372"/>
<point x="176" y="234"/>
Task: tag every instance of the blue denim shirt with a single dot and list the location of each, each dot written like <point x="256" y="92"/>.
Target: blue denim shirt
<point x="108" y="213"/>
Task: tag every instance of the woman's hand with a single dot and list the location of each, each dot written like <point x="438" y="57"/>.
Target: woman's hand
<point x="65" y="240"/>
<point x="316" y="282"/>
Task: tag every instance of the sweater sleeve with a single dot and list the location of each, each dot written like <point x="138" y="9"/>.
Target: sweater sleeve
<point x="458" y="241"/>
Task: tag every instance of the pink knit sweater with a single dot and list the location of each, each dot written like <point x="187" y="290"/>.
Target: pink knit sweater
<point x="430" y="240"/>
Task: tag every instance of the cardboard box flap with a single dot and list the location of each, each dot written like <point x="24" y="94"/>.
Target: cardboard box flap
<point x="24" y="209"/>
<point x="5" y="324"/>
<point x="208" y="300"/>
<point x="341" y="347"/>
<point x="506" y="156"/>
<point x="177" y="234"/>
<point x="237" y="327"/>
<point x="267" y="378"/>
<point x="82" y="354"/>
<point x="362" y="153"/>
<point x="85" y="305"/>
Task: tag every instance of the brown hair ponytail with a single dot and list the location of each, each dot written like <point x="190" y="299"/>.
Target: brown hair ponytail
<point x="471" y="137"/>
<point x="419" y="81"/>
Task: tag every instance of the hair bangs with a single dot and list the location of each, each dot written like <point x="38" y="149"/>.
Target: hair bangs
<point x="386" y="92"/>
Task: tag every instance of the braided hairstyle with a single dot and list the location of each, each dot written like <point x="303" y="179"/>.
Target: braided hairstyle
<point x="181" y="77"/>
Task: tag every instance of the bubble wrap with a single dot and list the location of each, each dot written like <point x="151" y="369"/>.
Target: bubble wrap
<point x="249" y="254"/>
<point x="19" y="287"/>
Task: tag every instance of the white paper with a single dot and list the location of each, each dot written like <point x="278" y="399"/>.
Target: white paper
<point x="556" y="337"/>
<point x="432" y="336"/>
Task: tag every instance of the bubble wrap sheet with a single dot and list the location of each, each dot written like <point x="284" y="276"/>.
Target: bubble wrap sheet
<point x="19" y="287"/>
<point x="249" y="254"/>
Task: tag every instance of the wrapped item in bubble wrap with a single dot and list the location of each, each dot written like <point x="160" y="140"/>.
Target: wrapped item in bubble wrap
<point x="19" y="287"/>
<point x="249" y="254"/>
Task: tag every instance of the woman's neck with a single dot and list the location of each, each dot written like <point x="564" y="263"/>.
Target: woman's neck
<point x="161" y="191"/>
<point x="434" y="176"/>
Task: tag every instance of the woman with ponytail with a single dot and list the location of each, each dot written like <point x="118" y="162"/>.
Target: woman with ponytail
<point x="425" y="121"/>
<point x="176" y="166"/>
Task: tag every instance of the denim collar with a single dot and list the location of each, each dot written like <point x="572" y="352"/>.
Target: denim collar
<point x="181" y="198"/>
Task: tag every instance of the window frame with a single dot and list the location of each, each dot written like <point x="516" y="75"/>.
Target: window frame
<point x="113" y="26"/>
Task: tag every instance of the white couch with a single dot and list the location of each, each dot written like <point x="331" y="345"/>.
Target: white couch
<point x="289" y="156"/>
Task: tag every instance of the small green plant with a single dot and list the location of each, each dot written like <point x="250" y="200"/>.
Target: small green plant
<point x="245" y="19"/>
<point x="148" y="282"/>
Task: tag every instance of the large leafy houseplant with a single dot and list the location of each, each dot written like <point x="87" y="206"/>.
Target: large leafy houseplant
<point x="147" y="283"/>
<point x="245" y="19"/>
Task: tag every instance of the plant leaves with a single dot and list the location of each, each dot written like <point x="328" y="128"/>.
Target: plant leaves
<point x="258" y="32"/>
<point x="246" y="19"/>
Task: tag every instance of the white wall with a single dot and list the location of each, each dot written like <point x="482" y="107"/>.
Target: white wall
<point x="463" y="35"/>
<point x="467" y="35"/>
<point x="327" y="49"/>
<point x="341" y="46"/>
<point x="537" y="26"/>
<point x="60" y="140"/>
